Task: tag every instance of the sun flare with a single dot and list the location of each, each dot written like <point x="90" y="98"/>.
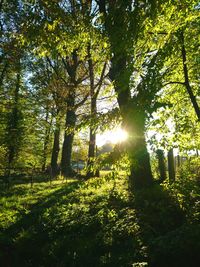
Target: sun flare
<point x="113" y="136"/>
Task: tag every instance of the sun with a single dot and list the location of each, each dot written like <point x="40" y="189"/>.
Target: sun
<point x="114" y="136"/>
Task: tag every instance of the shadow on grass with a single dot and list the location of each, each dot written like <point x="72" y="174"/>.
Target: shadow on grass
<point x="7" y="184"/>
<point x="83" y="225"/>
<point x="170" y="240"/>
<point x="73" y="227"/>
<point x="25" y="237"/>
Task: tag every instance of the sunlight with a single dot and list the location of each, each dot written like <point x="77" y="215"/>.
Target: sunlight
<point x="114" y="136"/>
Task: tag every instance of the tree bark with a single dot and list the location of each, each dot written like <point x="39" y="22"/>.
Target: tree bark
<point x="71" y="66"/>
<point x="91" y="155"/>
<point x="171" y="167"/>
<point x="46" y="140"/>
<point x="161" y="165"/>
<point x="178" y="161"/>
<point x="55" y="150"/>
<point x="93" y="110"/>
<point x="66" y="169"/>
<point x="141" y="175"/>
<point x="140" y="169"/>
<point x="134" y="118"/>
<point x="132" y="108"/>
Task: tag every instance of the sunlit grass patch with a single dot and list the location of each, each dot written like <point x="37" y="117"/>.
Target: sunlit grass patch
<point x="94" y="223"/>
<point x="19" y="199"/>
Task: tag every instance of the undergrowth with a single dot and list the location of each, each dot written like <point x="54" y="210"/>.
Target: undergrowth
<point x="98" y="223"/>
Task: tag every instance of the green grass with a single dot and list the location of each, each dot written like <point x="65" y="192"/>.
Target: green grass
<point x="98" y="223"/>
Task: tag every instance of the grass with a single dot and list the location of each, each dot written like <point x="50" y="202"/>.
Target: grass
<point x="98" y="223"/>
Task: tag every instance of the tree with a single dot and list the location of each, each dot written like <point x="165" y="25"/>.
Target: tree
<point x="73" y="66"/>
<point x="171" y="167"/>
<point x="94" y="92"/>
<point x="12" y="64"/>
<point x="161" y="165"/>
<point x="180" y="83"/>
<point x="14" y="129"/>
<point x="123" y="23"/>
<point x="186" y="76"/>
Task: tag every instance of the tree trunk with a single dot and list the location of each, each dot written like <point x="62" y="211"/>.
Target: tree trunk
<point x="140" y="175"/>
<point x="177" y="163"/>
<point x="91" y="154"/>
<point x="133" y="117"/>
<point x="132" y="108"/>
<point x="91" y="172"/>
<point x="93" y="110"/>
<point x="66" y="169"/>
<point x="46" y="140"/>
<point x="161" y="165"/>
<point x="171" y="167"/>
<point x="55" y="151"/>
<point x="13" y="127"/>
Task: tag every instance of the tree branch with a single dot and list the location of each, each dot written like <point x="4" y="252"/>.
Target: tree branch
<point x="82" y="101"/>
<point x="56" y="71"/>
<point x="161" y="32"/>
<point x="174" y="82"/>
<point x="99" y="84"/>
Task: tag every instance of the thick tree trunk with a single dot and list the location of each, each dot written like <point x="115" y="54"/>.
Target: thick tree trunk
<point x="66" y="169"/>
<point x="132" y="108"/>
<point x="140" y="175"/>
<point x="55" y="151"/>
<point x="161" y="165"/>
<point x="134" y="122"/>
<point x="171" y="167"/>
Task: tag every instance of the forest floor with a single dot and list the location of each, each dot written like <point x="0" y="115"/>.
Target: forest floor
<point x="99" y="223"/>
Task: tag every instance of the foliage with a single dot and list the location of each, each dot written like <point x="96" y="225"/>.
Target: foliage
<point x="60" y="61"/>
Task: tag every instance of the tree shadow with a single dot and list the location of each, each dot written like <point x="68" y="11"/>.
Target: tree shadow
<point x="29" y="229"/>
<point x="169" y="239"/>
<point x="23" y="179"/>
<point x="77" y="227"/>
<point x="71" y="228"/>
